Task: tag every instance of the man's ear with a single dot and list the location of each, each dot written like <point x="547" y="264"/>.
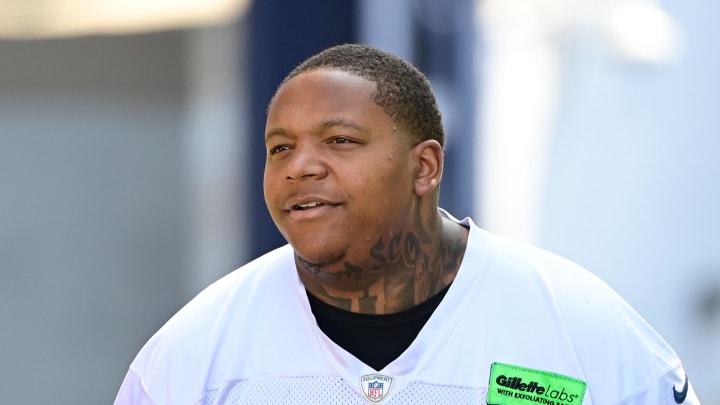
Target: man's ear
<point x="428" y="157"/>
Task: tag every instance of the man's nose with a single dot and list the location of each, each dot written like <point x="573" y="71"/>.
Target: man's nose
<point x="305" y="162"/>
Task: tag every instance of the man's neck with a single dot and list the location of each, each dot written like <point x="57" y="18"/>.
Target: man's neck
<point x="400" y="272"/>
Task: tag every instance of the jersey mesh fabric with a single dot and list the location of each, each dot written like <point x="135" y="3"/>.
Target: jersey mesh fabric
<point x="330" y="390"/>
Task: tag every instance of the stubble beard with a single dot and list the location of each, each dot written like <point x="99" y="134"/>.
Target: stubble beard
<point x="320" y="267"/>
<point x="335" y="273"/>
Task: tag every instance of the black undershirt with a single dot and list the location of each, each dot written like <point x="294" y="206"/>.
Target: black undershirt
<point x="376" y="340"/>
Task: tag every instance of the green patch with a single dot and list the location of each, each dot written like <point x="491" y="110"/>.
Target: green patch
<point x="513" y="385"/>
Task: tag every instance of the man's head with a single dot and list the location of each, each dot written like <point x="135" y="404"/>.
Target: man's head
<point x="402" y="91"/>
<point x="347" y="167"/>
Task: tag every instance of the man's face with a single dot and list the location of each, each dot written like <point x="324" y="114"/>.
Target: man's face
<point x="339" y="174"/>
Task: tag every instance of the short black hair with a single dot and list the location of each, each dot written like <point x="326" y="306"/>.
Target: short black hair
<point x="401" y="90"/>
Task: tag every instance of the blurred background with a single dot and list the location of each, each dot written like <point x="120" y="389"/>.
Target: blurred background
<point x="131" y="156"/>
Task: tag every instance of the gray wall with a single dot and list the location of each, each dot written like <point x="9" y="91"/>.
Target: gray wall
<point x="91" y="210"/>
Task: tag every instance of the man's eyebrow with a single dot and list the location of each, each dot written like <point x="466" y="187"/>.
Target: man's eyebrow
<point x="274" y="132"/>
<point x="340" y="122"/>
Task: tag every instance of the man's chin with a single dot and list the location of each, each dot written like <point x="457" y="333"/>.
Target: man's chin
<point x="321" y="261"/>
<point x="333" y="273"/>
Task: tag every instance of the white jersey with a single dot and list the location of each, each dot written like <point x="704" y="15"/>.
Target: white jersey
<point x="518" y="326"/>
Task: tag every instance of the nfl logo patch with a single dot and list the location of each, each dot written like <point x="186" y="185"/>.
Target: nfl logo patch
<point x="376" y="386"/>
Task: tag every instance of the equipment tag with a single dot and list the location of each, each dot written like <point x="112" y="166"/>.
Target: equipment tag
<point x="513" y="385"/>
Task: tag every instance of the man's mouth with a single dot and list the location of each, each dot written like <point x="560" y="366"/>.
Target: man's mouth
<point x="307" y="205"/>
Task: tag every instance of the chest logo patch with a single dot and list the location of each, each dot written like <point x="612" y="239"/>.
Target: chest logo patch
<point x="513" y="385"/>
<point x="376" y="386"/>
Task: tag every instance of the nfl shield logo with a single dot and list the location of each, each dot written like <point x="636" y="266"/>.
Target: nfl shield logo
<point x="375" y="390"/>
<point x="376" y="386"/>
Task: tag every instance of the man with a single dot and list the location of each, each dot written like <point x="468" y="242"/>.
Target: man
<point x="381" y="296"/>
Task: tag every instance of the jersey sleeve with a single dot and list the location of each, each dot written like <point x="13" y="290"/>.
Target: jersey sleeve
<point x="132" y="392"/>
<point x="671" y="388"/>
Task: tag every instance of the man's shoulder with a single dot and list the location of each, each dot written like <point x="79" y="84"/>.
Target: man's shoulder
<point x="234" y="291"/>
<point x="189" y="339"/>
<point x="584" y="301"/>
<point x="599" y="328"/>
<point x="273" y="265"/>
<point x="236" y="286"/>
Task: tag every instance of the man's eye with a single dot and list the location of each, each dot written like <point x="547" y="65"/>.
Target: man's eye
<point x="277" y="149"/>
<point x="340" y="139"/>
